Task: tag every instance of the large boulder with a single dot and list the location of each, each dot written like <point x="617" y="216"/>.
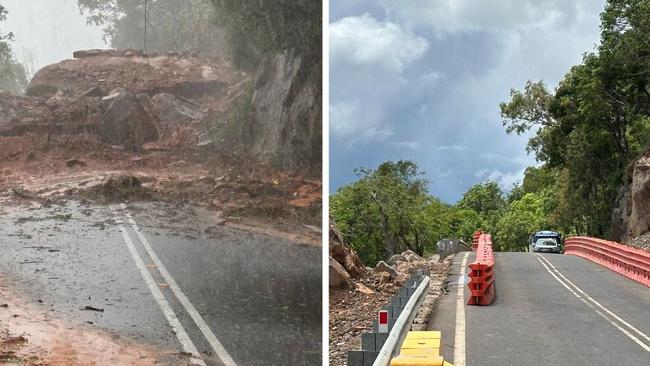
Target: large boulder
<point x="384" y="267"/>
<point x="395" y="258"/>
<point x="631" y="218"/>
<point x="105" y="70"/>
<point x="405" y="267"/>
<point x="348" y="258"/>
<point x="409" y="253"/>
<point x="21" y="114"/>
<point x="343" y="254"/>
<point x="169" y="108"/>
<point x="339" y="277"/>
<point x="414" y="258"/>
<point x="126" y="122"/>
<point x="24" y="114"/>
<point x="287" y="112"/>
<point x="353" y="264"/>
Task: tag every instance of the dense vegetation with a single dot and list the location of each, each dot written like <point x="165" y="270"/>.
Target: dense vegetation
<point x="251" y="29"/>
<point x="585" y="133"/>
<point x="593" y="125"/>
<point x="172" y="25"/>
<point x="249" y="34"/>
<point x="255" y="28"/>
<point x="13" y="77"/>
<point x="389" y="210"/>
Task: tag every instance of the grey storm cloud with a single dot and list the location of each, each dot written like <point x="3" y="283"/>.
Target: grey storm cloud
<point x="49" y="31"/>
<point x="422" y="80"/>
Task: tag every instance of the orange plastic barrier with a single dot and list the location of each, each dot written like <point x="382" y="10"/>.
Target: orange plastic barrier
<point x="475" y="238"/>
<point x="481" y="275"/>
<point x="630" y="262"/>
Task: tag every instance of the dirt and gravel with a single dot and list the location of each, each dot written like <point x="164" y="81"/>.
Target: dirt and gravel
<point x="641" y="242"/>
<point x="242" y="194"/>
<point x="59" y="142"/>
<point x="352" y="310"/>
<point x="37" y="339"/>
<point x="114" y="126"/>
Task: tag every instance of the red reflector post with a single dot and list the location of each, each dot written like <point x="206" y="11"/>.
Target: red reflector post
<point x="383" y="322"/>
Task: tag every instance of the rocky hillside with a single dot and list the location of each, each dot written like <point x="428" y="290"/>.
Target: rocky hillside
<point x="631" y="217"/>
<point x="287" y="112"/>
<point x="123" y="97"/>
<point x="76" y="95"/>
<point x="122" y="116"/>
<point x="358" y="292"/>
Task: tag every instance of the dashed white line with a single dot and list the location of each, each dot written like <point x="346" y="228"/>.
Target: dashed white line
<point x="459" y="339"/>
<point x="216" y="345"/>
<point x="172" y="319"/>
<point x="586" y="298"/>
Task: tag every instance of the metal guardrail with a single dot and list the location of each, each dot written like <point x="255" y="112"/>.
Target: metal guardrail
<point x="398" y="333"/>
<point x="630" y="262"/>
<point x="401" y="311"/>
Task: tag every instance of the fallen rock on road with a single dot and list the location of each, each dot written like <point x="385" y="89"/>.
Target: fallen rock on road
<point x="128" y="123"/>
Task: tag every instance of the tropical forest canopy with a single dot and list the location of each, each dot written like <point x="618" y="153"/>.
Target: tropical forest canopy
<point x="585" y="133"/>
<point x="247" y="29"/>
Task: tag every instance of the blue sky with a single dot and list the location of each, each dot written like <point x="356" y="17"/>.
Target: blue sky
<point x="422" y="80"/>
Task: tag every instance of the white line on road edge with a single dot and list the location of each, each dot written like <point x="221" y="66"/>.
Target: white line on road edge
<point x="167" y="310"/>
<point x="638" y="332"/>
<point x="459" y="340"/>
<point x="216" y="345"/>
<point x="543" y="261"/>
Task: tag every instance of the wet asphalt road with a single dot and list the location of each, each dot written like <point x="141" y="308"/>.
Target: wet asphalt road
<point x="259" y="295"/>
<point x="536" y="320"/>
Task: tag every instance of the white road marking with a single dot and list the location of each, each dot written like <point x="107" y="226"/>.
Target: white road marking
<point x="637" y="331"/>
<point x="459" y="339"/>
<point x="584" y="298"/>
<point x="172" y="319"/>
<point x="216" y="345"/>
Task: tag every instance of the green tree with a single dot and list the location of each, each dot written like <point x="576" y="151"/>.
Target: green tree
<point x="483" y="198"/>
<point x="463" y="222"/>
<point x="516" y="192"/>
<point x="12" y="74"/>
<point x="594" y="124"/>
<point x="487" y="200"/>
<point x="538" y="178"/>
<point x="384" y="212"/>
<point x="524" y="217"/>
<point x="251" y="29"/>
<point x="256" y="28"/>
<point x="172" y="25"/>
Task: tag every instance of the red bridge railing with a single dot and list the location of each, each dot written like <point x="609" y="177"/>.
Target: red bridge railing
<point x="630" y="262"/>
<point x="481" y="283"/>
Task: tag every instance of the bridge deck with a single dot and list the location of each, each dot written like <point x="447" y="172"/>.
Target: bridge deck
<point x="536" y="320"/>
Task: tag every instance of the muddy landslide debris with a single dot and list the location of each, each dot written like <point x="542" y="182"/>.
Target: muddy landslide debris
<point x="97" y="72"/>
<point x="358" y="292"/>
<point x="115" y="126"/>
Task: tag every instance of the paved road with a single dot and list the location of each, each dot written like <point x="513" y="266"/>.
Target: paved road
<point x="258" y="297"/>
<point x="550" y="310"/>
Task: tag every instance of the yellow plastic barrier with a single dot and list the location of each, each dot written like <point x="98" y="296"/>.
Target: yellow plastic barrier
<point x="420" y="348"/>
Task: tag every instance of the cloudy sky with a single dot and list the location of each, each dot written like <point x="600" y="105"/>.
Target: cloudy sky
<point x="422" y="80"/>
<point x="48" y="30"/>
